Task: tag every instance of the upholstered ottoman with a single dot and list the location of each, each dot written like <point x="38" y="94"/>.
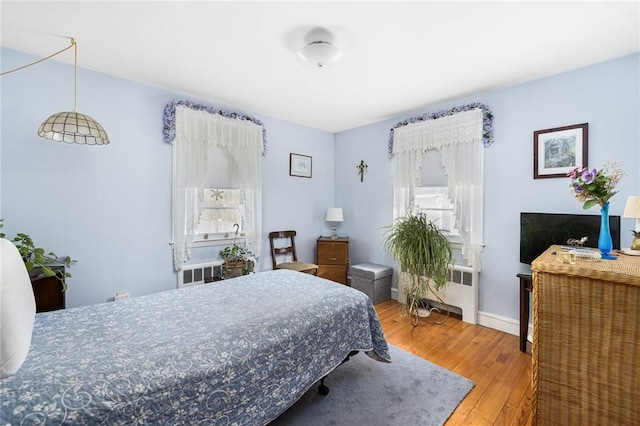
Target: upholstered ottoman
<point x="373" y="280"/>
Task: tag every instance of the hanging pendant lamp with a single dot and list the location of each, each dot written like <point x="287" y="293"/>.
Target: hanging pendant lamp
<point x="73" y="126"/>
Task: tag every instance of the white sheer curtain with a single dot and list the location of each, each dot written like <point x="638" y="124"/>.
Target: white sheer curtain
<point x="200" y="136"/>
<point x="458" y="139"/>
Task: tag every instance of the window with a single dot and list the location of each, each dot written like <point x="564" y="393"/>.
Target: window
<point x="432" y="197"/>
<point x="435" y="204"/>
<point x="216" y="181"/>
<point x="222" y="210"/>
<point x="458" y="141"/>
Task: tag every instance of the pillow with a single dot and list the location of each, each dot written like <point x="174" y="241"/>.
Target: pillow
<point x="17" y="309"/>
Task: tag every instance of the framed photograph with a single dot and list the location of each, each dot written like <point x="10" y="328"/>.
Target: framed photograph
<point x="558" y="151"/>
<point x="299" y="165"/>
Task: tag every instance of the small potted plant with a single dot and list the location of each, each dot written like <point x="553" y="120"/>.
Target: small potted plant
<point x="423" y="252"/>
<point x="236" y="262"/>
<point x="38" y="262"/>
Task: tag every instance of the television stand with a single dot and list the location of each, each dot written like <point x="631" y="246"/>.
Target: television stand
<point x="526" y="287"/>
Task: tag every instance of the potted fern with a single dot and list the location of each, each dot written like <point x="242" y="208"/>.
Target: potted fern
<point x="423" y="252"/>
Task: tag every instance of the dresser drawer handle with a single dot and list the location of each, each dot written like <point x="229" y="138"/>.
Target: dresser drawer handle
<point x="333" y="259"/>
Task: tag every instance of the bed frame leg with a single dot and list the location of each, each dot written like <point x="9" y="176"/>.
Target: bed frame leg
<point x="323" y="389"/>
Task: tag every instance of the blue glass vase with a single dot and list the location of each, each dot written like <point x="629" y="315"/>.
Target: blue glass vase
<point x="605" y="243"/>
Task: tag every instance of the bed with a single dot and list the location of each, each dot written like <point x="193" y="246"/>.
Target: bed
<point x="239" y="351"/>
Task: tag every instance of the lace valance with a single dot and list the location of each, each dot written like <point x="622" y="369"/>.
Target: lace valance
<point x="487" y="122"/>
<point x="463" y="127"/>
<point x="170" y="119"/>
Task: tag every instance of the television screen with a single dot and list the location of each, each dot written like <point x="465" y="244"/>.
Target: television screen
<point x="538" y="231"/>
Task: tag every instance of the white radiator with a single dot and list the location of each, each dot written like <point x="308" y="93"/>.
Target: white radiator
<point x="461" y="291"/>
<point x="199" y="273"/>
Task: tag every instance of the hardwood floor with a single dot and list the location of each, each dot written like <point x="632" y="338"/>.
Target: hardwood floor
<point x="491" y="358"/>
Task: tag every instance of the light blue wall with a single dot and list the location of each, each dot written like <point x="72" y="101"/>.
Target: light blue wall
<point x="296" y="202"/>
<point x="606" y="96"/>
<point x="109" y="207"/>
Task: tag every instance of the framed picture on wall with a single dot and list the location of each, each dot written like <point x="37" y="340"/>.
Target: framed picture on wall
<point x="558" y="151"/>
<point x="299" y="165"/>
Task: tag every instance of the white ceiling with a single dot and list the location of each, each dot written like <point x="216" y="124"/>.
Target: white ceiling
<point x="398" y="56"/>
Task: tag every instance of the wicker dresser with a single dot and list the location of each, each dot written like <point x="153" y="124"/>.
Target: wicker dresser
<point x="586" y="341"/>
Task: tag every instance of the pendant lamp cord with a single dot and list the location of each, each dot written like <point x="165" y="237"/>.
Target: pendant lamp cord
<point x="73" y="44"/>
<point x="75" y="74"/>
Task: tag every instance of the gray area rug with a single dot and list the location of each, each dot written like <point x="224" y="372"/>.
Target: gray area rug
<point x="409" y="391"/>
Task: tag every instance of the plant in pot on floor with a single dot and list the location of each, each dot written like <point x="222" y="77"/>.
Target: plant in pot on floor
<point x="38" y="262"/>
<point x="423" y="253"/>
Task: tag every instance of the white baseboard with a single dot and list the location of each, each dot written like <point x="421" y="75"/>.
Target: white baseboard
<point x="498" y="322"/>
<point x="486" y="319"/>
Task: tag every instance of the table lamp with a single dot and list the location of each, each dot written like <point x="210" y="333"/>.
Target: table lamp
<point x="632" y="210"/>
<point x="334" y="215"/>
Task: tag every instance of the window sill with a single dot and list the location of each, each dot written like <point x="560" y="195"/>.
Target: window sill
<point x="212" y="242"/>
<point x="456" y="244"/>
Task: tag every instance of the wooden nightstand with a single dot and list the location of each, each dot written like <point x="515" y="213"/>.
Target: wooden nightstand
<point x="333" y="258"/>
<point x="48" y="293"/>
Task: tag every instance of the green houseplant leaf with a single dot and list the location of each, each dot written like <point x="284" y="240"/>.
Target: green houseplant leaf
<point x="38" y="262"/>
<point x="235" y="259"/>
<point x="422" y="251"/>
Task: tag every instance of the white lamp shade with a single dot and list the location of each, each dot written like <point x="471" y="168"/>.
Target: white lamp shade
<point x="334" y="214"/>
<point x="632" y="209"/>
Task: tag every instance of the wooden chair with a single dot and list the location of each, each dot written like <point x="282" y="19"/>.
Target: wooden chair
<point x="288" y="251"/>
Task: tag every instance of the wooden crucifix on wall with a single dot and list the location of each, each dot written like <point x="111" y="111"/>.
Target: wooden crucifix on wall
<point x="362" y="169"/>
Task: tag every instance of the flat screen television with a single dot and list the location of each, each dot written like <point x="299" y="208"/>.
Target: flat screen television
<point x="538" y="231"/>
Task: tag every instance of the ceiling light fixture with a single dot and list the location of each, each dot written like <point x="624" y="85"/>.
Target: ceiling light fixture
<point x="319" y="49"/>
<point x="70" y="126"/>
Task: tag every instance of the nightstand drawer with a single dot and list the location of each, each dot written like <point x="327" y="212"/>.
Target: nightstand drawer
<point x="333" y="258"/>
<point x="330" y="253"/>
<point x="333" y="273"/>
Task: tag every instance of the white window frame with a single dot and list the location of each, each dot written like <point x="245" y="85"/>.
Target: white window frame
<point x="422" y="205"/>
<point x="203" y="236"/>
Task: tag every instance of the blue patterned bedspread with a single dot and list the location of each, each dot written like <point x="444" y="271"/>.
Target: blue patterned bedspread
<point x="237" y="352"/>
